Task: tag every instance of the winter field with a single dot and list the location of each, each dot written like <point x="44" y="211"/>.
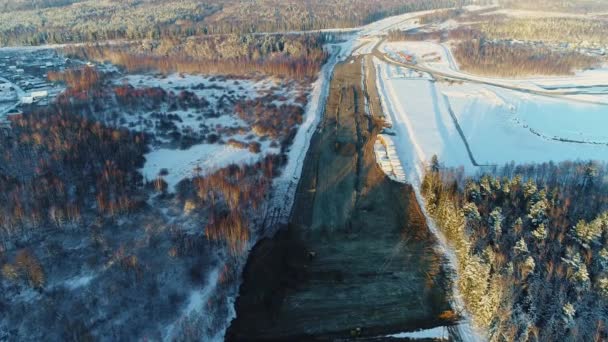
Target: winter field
<point x="584" y="86"/>
<point x="475" y="125"/>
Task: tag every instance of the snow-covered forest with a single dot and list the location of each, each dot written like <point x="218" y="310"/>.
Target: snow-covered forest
<point x="531" y="247"/>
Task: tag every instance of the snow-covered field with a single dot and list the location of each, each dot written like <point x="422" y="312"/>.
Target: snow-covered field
<point x="470" y="123"/>
<point x="420" y="120"/>
<point x="437" y="57"/>
<point x="503" y="126"/>
<point x="496" y="125"/>
<point x="438" y="333"/>
<point x="183" y="164"/>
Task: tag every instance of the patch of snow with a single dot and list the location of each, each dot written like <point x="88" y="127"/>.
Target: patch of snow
<point x="78" y="281"/>
<point x="181" y="164"/>
<point x="440" y="333"/>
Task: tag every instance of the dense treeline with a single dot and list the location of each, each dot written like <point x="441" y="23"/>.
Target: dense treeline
<point x="580" y="6"/>
<point x="99" y="20"/>
<point x="293" y="56"/>
<point x="576" y="31"/>
<point x="56" y="164"/>
<point x="476" y="53"/>
<point x="506" y="59"/>
<point x="22" y="5"/>
<point x="440" y="16"/>
<point x="551" y="30"/>
<point x="280" y="15"/>
<point x="91" y="21"/>
<point x="531" y="245"/>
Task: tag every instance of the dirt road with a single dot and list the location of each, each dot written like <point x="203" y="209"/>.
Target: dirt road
<point x="357" y="258"/>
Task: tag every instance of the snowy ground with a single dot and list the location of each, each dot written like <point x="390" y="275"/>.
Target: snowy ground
<point x="524" y="127"/>
<point x="182" y="164"/>
<point x="497" y="126"/>
<point x="218" y="117"/>
<point x="503" y="126"/>
<point x="420" y="120"/>
<point x="436" y="57"/>
<point x="438" y="333"/>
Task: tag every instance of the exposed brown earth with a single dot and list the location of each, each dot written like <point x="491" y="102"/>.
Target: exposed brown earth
<point x="357" y="259"/>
